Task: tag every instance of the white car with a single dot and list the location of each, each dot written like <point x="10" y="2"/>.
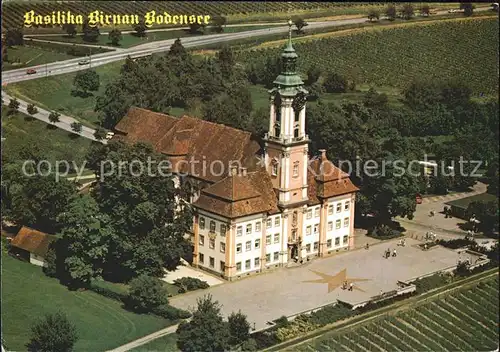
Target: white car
<point x="110" y="135"/>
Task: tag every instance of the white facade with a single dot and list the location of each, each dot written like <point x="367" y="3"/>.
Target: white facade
<point x="37" y="260"/>
<point x="248" y="244"/>
<point x="212" y="244"/>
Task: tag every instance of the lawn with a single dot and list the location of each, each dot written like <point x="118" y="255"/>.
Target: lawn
<point x="129" y="39"/>
<point x="22" y="132"/>
<point x="102" y="324"/>
<point x="167" y="343"/>
<point x="31" y="56"/>
<point x="54" y="93"/>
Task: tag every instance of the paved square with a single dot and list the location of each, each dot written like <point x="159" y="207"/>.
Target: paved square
<point x="268" y="296"/>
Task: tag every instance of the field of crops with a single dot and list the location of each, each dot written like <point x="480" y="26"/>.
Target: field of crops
<point x="465" y="320"/>
<point x="13" y="12"/>
<point x="462" y="49"/>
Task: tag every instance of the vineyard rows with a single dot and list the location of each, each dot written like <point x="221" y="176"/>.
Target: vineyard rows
<point x="466" y="320"/>
<point x="13" y="12"/>
<point x="465" y="50"/>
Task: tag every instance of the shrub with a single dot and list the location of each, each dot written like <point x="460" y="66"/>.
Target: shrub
<point x="31" y="108"/>
<point x="186" y="284"/>
<point x="299" y="326"/>
<point x="53" y="333"/>
<point x="335" y="83"/>
<point x="330" y="314"/>
<point x="383" y="231"/>
<point x="146" y="293"/>
<point x="168" y="312"/>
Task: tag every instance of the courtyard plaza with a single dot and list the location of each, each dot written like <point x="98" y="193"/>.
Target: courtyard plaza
<point x="290" y="291"/>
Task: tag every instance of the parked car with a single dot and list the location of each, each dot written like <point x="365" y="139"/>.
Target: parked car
<point x="110" y="135"/>
<point x="84" y="62"/>
<point x="30" y="71"/>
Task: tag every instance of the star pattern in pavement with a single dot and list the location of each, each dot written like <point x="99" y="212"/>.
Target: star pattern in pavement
<point x="335" y="281"/>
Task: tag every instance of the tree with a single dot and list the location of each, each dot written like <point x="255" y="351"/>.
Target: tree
<point x="196" y="28"/>
<point x="313" y="75"/>
<point x="375" y="100"/>
<point x="391" y="12"/>
<point x="54" y="117"/>
<point x="425" y="10"/>
<point x="300" y="23"/>
<point x="13" y="106"/>
<point x="140" y="28"/>
<point x="86" y="81"/>
<point x="373" y="14"/>
<point x="39" y="200"/>
<point x="86" y="234"/>
<point x="70" y="29"/>
<point x="14" y="37"/>
<point x="146" y="293"/>
<point x="100" y="133"/>
<point x="335" y="83"/>
<point x="239" y="328"/>
<point x="5" y="54"/>
<point x="226" y="61"/>
<point x="53" y="333"/>
<point x="115" y="36"/>
<point x="177" y="49"/>
<point x="467" y="7"/>
<point x="487" y="214"/>
<point x="76" y="127"/>
<point x="407" y="11"/>
<point x="206" y="331"/>
<point x="90" y="34"/>
<point x="31" y="108"/>
<point x="218" y="23"/>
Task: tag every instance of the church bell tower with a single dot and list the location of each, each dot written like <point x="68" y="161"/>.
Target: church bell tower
<point x="286" y="143"/>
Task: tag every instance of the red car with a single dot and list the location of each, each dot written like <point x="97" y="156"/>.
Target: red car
<point x="30" y="71"/>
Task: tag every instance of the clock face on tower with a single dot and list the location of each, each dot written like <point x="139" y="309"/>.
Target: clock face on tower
<point x="299" y="101"/>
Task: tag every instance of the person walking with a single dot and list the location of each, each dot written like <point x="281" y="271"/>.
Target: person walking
<point x="350" y="286"/>
<point x="394" y="253"/>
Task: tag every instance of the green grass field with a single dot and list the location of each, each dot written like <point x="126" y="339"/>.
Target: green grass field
<point x="31" y="56"/>
<point x="102" y="324"/>
<point x="21" y="131"/>
<point x="167" y="343"/>
<point x="465" y="320"/>
<point x="129" y="40"/>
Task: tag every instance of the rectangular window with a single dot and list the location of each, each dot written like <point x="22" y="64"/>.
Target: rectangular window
<point x="257" y="226"/>
<point x="346" y="206"/>
<point x="294" y="235"/>
<point x="295" y="169"/>
<point x="212" y="226"/>
<point x="277" y="238"/>
<point x="211" y="243"/>
<point x="202" y="223"/>
<point x="308" y="230"/>
<point x="249" y="229"/>
<point x="308" y="247"/>
<point x="277" y="221"/>
<point x="248" y="246"/>
<point x="257" y="243"/>
<point x="247" y="264"/>
<point x="268" y="239"/>
<point x="212" y="262"/>
<point x="201" y="258"/>
<point x="256" y="262"/>
<point x="269" y="223"/>
<point x="337" y="224"/>
<point x="316" y="212"/>
<point x="344" y="239"/>
<point x="316" y="228"/>
<point x="223" y="247"/>
<point x="222" y="266"/>
<point x="316" y="246"/>
<point x="238" y="266"/>
<point x="238" y="248"/>
<point x="309" y="214"/>
<point x="337" y="241"/>
<point x="346" y="222"/>
<point x="223" y="230"/>
<point x="239" y="231"/>
<point x="330" y="209"/>
<point x="276" y="256"/>
<point x="202" y="240"/>
<point x="268" y="257"/>
<point x="329" y="243"/>
<point x="274" y="169"/>
<point x="339" y="207"/>
<point x="330" y="225"/>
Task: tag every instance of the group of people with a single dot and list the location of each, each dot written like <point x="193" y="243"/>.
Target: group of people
<point x="402" y="242"/>
<point x="344" y="286"/>
<point x="387" y="253"/>
<point x="430" y="236"/>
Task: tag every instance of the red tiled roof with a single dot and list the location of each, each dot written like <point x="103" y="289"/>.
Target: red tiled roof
<point x="325" y="180"/>
<point x="33" y="241"/>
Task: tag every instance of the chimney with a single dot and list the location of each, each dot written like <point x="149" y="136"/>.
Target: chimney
<point x="243" y="171"/>
<point x="323" y="154"/>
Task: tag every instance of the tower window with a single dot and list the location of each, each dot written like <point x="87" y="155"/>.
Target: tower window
<point x="274" y="168"/>
<point x="296" y="169"/>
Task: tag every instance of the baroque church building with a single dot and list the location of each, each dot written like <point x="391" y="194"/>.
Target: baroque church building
<point x="271" y="206"/>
